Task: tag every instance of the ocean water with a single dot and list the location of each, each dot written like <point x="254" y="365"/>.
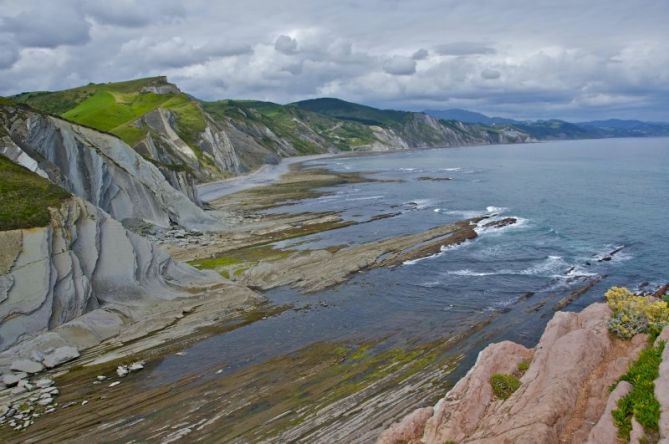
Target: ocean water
<point x="575" y="202"/>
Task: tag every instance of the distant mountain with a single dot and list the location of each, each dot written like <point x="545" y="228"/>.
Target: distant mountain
<point x="627" y="128"/>
<point x="560" y="129"/>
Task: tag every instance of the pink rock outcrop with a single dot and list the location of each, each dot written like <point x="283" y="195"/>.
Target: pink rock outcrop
<point x="662" y="388"/>
<point x="562" y="394"/>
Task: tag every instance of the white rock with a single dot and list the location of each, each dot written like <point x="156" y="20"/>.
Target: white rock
<point x="135" y="366"/>
<point x="26" y="385"/>
<point x="18" y="390"/>
<point x="37" y="356"/>
<point x="121" y="371"/>
<point x="27" y="366"/>
<point x="11" y="379"/>
<point x="44" y="382"/>
<point x="101" y="377"/>
<point x="60" y="356"/>
<point x="84" y="402"/>
<point x="45" y="401"/>
<point x="114" y="384"/>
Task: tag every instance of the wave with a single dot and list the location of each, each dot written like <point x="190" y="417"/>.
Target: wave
<point x="481" y="229"/>
<point x="363" y="198"/>
<point x="442" y="250"/>
<point x="465" y="214"/>
<point x="450" y="169"/>
<point x="496" y="210"/>
<point x="552" y="266"/>
<point x="421" y="204"/>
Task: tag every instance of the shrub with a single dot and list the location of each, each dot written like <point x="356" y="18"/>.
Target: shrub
<point x="523" y="366"/>
<point x="634" y="314"/>
<point x="504" y="385"/>
<point x="640" y="402"/>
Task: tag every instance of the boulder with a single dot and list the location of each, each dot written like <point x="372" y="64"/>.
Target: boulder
<point x="409" y="429"/>
<point x="27" y="366"/>
<point x="60" y="356"/>
<point x="11" y="379"/>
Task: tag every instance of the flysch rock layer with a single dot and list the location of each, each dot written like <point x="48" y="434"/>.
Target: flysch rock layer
<point x="563" y="396"/>
<point x="100" y="168"/>
<point x="85" y="275"/>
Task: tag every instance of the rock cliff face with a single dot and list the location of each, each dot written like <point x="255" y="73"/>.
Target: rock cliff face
<point x="563" y="396"/>
<point x="99" y="168"/>
<point x="77" y="268"/>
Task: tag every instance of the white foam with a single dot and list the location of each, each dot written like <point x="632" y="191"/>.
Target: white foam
<point x="422" y="203"/>
<point x="450" y="169"/>
<point x="363" y="198"/>
<point x="496" y="210"/>
<point x="466" y="214"/>
<point x="481" y="229"/>
<point x="442" y="250"/>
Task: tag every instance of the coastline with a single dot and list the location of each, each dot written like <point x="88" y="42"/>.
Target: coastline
<point x="265" y="175"/>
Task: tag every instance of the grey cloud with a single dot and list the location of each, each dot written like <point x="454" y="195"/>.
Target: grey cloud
<point x="48" y="27"/>
<point x="285" y="44"/>
<point x="598" y="58"/>
<point x="9" y="54"/>
<point x="490" y="74"/>
<point x="421" y="54"/>
<point x="177" y="53"/>
<point x="400" y="66"/>
<point x="464" y="48"/>
<point x="132" y="13"/>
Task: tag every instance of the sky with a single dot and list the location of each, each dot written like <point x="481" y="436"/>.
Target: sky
<point x="574" y="60"/>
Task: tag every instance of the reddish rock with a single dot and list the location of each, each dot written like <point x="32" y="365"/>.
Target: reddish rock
<point x="409" y="430"/>
<point x="562" y="395"/>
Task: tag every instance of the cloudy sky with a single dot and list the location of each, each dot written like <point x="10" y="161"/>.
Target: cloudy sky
<point x="569" y="59"/>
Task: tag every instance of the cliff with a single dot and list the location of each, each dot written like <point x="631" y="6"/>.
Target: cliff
<point x="562" y="392"/>
<point x="78" y="271"/>
<point x="197" y="141"/>
<point x="100" y="168"/>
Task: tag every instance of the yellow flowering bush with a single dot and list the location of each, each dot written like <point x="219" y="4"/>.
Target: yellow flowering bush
<point x="634" y="314"/>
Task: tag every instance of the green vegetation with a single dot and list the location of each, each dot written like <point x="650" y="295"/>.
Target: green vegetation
<point x="634" y="314"/>
<point x="504" y="385"/>
<point x="236" y="262"/>
<point x="308" y="132"/>
<point x="355" y="112"/>
<point x="26" y="197"/>
<point x="640" y="402"/>
<point x="523" y="366"/>
<point x="115" y="108"/>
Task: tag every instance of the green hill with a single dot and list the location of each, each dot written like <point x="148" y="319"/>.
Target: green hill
<point x="114" y="107"/>
<point x="355" y="112"/>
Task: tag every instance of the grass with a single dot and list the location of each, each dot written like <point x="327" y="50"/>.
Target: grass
<point x="504" y="385"/>
<point x="523" y="366"/>
<point x="640" y="402"/>
<point x="26" y="197"/>
<point x="115" y="107"/>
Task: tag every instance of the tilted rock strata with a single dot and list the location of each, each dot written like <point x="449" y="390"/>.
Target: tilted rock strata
<point x="99" y="168"/>
<point x="315" y="270"/>
<point x="82" y="261"/>
<point x="562" y="395"/>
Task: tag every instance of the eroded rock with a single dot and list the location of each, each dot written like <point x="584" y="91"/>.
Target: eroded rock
<point x="562" y="395"/>
<point x="60" y="356"/>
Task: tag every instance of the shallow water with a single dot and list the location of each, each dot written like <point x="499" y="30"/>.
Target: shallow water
<point x="575" y="201"/>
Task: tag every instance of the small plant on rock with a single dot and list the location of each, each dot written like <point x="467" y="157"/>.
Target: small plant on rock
<point x="634" y="314"/>
<point x="504" y="385"/>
